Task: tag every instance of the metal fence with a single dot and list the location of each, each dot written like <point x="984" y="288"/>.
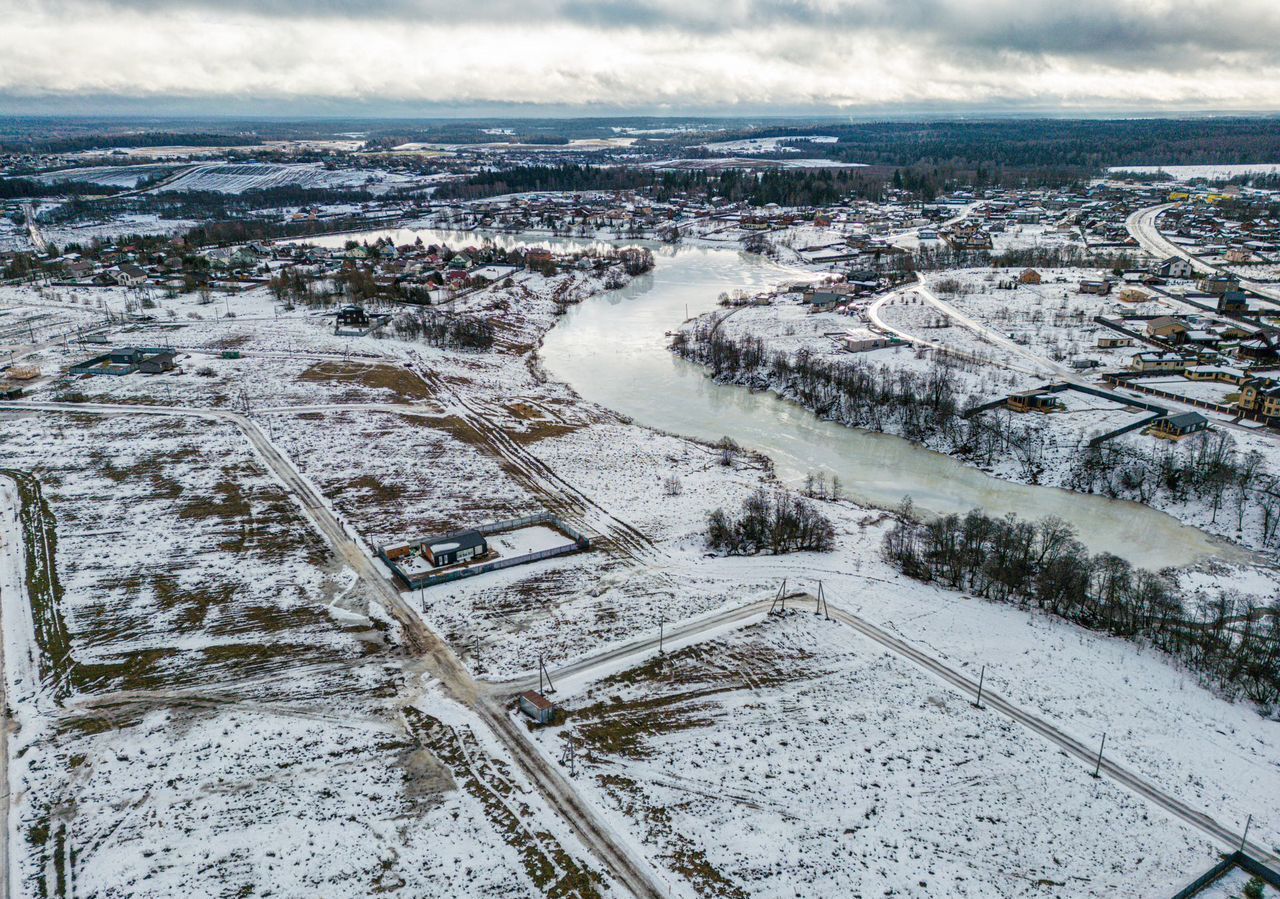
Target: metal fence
<point x="1224" y="867"/>
<point x="433" y="578"/>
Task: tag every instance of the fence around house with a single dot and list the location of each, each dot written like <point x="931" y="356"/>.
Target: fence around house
<point x="417" y="581"/>
<point x="1223" y="868"/>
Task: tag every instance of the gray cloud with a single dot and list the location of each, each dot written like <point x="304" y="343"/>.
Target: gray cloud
<point x="796" y="52"/>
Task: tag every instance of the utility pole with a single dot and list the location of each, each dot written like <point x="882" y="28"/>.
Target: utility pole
<point x="1098" y="766"/>
<point x="661" y="627"/>
<point x="982" y="675"/>
<point x="780" y="597"/>
<point x="1244" y="839"/>
<point x="542" y="671"/>
<point x="820" y="608"/>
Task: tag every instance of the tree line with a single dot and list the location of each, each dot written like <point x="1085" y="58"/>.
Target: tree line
<point x="926" y="406"/>
<point x="799" y="187"/>
<point x="1233" y="643"/>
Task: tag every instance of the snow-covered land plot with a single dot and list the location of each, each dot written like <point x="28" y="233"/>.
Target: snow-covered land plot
<point x="1052" y="319"/>
<point x="114" y="227"/>
<point x="509" y="544"/>
<point x="769" y="144"/>
<point x="234" y="178"/>
<point x="400" y="476"/>
<point x="251" y="383"/>
<point x="120" y="176"/>
<point x="911" y="314"/>
<point x="794" y="756"/>
<point x="1211" y="171"/>
<point x="222" y="706"/>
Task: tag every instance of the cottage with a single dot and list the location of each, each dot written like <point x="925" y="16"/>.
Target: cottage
<point x="1264" y="346"/>
<point x="1175" y="267"/>
<point x="81" y="268"/>
<point x="1099" y="286"/>
<point x="1167" y="328"/>
<point x="824" y="298"/>
<point x="537" y="707"/>
<point x="1029" y="276"/>
<point x="1032" y="401"/>
<point x="130" y="275"/>
<point x="353" y="316"/>
<point x="1219" y="284"/>
<point x="1160" y="362"/>
<point x="127" y="360"/>
<point x="1233" y="302"/>
<point x="1261" y="398"/>
<point x="1175" y="427"/>
<point x="157" y="362"/>
<point x="1133" y="295"/>
<point x="455" y="549"/>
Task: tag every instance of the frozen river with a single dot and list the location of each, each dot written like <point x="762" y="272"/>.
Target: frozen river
<point x="612" y="350"/>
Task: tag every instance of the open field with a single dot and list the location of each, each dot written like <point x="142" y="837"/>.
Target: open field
<point x="794" y="756"/>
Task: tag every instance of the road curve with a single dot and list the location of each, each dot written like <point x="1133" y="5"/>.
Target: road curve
<point x="1141" y="225"/>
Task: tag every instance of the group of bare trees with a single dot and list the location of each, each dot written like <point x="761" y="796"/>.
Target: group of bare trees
<point x="1209" y="470"/>
<point x="926" y="406"/>
<point x="781" y="523"/>
<point x="1233" y="643"/>
<point x="915" y="404"/>
<point x="448" y="330"/>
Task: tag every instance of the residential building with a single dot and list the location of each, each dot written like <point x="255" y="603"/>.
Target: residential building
<point x="1175" y="427"/>
<point x="1260" y="397"/>
<point x="1167" y="328"/>
<point x="1160" y="362"/>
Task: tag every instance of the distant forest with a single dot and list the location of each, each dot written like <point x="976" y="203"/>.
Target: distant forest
<point x="1086" y="145"/>
<point x="799" y="187"/>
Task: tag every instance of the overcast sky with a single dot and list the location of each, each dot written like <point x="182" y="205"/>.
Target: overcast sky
<point x="332" y="56"/>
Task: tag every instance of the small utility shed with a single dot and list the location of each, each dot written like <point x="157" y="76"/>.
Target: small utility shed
<point x="537" y="706"/>
<point x="455" y="548"/>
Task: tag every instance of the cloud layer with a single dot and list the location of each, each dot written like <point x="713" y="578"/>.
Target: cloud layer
<point x="676" y="55"/>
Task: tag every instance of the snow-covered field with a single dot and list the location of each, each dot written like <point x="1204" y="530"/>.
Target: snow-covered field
<point x="240" y="709"/>
<point x="1216" y="170"/>
<point x="769" y="144"/>
<point x="234" y="178"/>
<point x="795" y="756"/>
<point x="122" y="176"/>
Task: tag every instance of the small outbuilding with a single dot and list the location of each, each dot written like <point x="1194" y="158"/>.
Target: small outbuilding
<point x="537" y="707"/>
<point x="1032" y="401"/>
